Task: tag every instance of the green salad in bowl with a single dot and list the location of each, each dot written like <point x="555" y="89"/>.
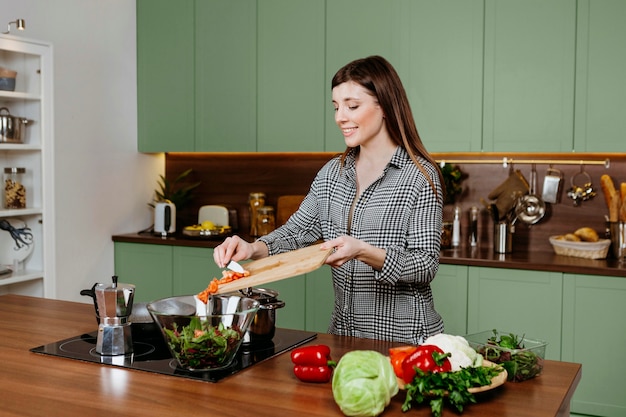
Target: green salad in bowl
<point x="203" y="340"/>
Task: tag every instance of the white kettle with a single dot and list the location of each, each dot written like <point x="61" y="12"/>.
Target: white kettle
<point x="164" y="218"/>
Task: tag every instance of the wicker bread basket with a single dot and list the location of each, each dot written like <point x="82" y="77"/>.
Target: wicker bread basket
<point x="588" y="250"/>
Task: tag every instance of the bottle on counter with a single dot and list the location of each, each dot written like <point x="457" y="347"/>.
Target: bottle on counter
<point x="456" y="227"/>
<point x="255" y="200"/>
<point x="473" y="226"/>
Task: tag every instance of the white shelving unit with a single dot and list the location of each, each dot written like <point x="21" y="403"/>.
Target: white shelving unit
<point x="32" y="99"/>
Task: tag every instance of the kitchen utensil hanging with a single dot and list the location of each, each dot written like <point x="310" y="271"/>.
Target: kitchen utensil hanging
<point x="552" y="184"/>
<point x="580" y="193"/>
<point x="530" y="208"/>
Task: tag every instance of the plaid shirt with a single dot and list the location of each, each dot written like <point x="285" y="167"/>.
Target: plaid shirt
<point x="399" y="213"/>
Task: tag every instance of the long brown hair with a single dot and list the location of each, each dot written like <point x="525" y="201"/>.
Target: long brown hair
<point x="380" y="78"/>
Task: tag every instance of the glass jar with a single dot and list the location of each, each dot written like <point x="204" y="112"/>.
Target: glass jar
<point x="255" y="200"/>
<point x="14" y="190"/>
<point x="265" y="220"/>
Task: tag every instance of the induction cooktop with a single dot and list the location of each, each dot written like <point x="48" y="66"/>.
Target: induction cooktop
<point x="151" y="354"/>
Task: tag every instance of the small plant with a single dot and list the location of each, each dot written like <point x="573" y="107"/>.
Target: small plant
<point x="174" y="191"/>
<point x="452" y="177"/>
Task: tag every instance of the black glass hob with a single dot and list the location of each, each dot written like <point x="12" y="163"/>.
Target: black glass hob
<point x="151" y="354"/>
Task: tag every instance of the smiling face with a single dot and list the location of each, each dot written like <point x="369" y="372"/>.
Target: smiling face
<point x="358" y="115"/>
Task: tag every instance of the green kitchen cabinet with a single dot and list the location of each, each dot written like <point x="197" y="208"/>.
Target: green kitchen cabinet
<point x="165" y="76"/>
<point x="320" y="299"/>
<point x="293" y="292"/>
<point x="600" y="89"/>
<point x="225" y="75"/>
<point x="529" y="66"/>
<point x="518" y="301"/>
<point x="450" y="294"/>
<point x="442" y="71"/>
<point x="291" y="89"/>
<point x="193" y="269"/>
<point x="594" y="334"/>
<point x="308" y="301"/>
<point x="148" y="267"/>
<point x="374" y="28"/>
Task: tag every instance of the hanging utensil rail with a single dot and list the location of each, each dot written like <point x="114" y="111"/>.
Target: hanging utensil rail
<point x="511" y="161"/>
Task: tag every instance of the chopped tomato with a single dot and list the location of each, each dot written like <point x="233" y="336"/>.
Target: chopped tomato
<point x="227" y="276"/>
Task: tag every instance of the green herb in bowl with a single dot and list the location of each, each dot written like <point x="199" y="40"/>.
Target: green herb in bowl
<point x="521" y="357"/>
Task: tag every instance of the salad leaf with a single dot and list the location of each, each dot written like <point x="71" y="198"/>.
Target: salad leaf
<point x="364" y="383"/>
<point x="199" y="345"/>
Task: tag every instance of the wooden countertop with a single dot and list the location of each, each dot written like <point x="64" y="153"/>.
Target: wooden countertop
<point x="36" y="385"/>
<point x="478" y="256"/>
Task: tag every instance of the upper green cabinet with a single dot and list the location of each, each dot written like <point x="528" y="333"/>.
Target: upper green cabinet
<point x="290" y="94"/>
<point x="529" y="75"/>
<point x="600" y="88"/>
<point x="165" y="75"/>
<point x="481" y="75"/>
<point x="225" y="75"/>
<point x="444" y="75"/>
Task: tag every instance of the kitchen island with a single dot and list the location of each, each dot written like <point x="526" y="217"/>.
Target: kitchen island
<point x="35" y="385"/>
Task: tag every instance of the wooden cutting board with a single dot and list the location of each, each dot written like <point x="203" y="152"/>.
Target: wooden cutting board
<point x="278" y="267"/>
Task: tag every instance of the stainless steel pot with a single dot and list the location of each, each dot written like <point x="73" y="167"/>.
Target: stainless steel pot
<point x="263" y="326"/>
<point x="12" y="128"/>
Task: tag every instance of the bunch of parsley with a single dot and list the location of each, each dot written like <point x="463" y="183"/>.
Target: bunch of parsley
<point x="452" y="387"/>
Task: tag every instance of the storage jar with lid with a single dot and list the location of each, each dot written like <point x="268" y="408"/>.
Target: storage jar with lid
<point x="265" y="220"/>
<point x="14" y="189"/>
<point x="255" y="200"/>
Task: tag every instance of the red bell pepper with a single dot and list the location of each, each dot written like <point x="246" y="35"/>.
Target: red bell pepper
<point x="397" y="355"/>
<point x="312" y="363"/>
<point x="428" y="358"/>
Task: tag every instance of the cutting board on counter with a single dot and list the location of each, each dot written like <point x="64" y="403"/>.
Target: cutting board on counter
<point x="278" y="267"/>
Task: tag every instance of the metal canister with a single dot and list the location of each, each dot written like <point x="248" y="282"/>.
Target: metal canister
<point x="14" y="189"/>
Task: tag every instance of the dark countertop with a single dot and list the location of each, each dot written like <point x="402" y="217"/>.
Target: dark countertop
<point x="478" y="256"/>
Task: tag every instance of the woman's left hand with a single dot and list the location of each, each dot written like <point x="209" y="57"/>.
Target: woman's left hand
<point x="347" y="248"/>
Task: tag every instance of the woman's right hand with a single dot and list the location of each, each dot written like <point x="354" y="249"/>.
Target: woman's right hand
<point x="236" y="249"/>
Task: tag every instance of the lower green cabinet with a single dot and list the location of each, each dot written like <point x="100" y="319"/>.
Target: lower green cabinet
<point x="518" y="301"/>
<point x="308" y="301"/>
<point x="148" y="267"/>
<point x="193" y="269"/>
<point x="594" y="334"/>
<point x="159" y="271"/>
<point x="450" y="294"/>
<point x="320" y="299"/>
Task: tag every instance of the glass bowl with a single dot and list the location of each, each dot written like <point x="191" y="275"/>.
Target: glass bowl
<point x="521" y="364"/>
<point x="201" y="342"/>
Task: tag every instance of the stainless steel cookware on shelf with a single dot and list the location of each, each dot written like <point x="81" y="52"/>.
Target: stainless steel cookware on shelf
<point x="12" y="129"/>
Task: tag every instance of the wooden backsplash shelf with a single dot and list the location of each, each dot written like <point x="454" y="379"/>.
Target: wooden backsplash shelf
<point x="228" y="178"/>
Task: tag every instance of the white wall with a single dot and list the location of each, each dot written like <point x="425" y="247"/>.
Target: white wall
<point x="102" y="184"/>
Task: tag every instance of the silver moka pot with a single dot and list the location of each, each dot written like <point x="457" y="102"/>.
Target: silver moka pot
<point x="114" y="304"/>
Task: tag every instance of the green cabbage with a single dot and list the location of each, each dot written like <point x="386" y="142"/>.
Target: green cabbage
<point x="364" y="383"/>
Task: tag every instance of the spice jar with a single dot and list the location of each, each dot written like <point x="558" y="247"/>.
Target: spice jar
<point x="265" y="220"/>
<point x="14" y="190"/>
<point x="255" y="200"/>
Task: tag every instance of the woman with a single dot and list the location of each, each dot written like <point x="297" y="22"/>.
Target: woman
<point x="379" y="205"/>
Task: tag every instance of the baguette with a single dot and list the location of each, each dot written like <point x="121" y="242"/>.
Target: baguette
<point x="611" y="197"/>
